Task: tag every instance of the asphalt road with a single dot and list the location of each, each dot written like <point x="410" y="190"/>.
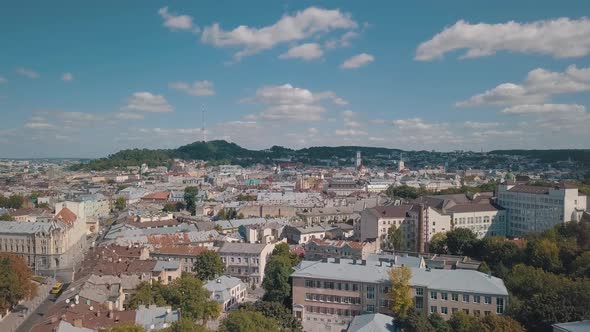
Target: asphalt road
<point x="37" y="316"/>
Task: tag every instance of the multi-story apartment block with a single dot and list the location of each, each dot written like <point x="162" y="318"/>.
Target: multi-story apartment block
<point x="317" y="249"/>
<point x="375" y="223"/>
<point x="246" y="261"/>
<point x="46" y="246"/>
<point x="330" y="293"/>
<point x="535" y="209"/>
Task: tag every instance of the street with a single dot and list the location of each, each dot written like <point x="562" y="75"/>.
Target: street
<point x="36" y="316"/>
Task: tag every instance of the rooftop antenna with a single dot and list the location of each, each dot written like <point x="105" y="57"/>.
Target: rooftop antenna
<point x="203" y="123"/>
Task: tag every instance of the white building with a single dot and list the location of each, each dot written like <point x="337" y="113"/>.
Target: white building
<point x="246" y="261"/>
<point x="535" y="209"/>
<point x="229" y="292"/>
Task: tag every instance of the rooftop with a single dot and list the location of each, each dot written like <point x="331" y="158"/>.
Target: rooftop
<point x="245" y="248"/>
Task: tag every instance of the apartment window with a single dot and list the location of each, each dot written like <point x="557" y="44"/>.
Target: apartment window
<point x="444" y="310"/>
<point x="433" y="309"/>
<point x="476" y="298"/>
<point x="487" y="313"/>
<point x="487" y="300"/>
<point x="419" y="291"/>
<point x="346" y="287"/>
<point x="331" y="310"/>
<point x="466" y="311"/>
<point x="466" y="298"/>
<point x="370" y="308"/>
<point x="384" y="303"/>
<point x="433" y="295"/>
<point x="370" y="292"/>
<point x="316" y="297"/>
<point x="322" y="298"/>
<point x="307" y="296"/>
<point x="309" y="283"/>
<point x="477" y="313"/>
<point x="454" y="310"/>
<point x="339" y="286"/>
<point x="337" y="299"/>
<point x="499" y="305"/>
<point x="455" y="297"/>
<point x="232" y="259"/>
<point x="328" y="285"/>
<point x="444" y="296"/>
<point x="355" y="287"/>
<point x="419" y="303"/>
<point x="328" y="298"/>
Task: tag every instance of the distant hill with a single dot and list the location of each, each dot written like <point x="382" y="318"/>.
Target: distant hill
<point x="580" y="155"/>
<point x="220" y="151"/>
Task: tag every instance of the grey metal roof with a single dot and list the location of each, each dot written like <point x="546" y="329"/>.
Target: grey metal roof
<point x="449" y="280"/>
<point x="579" y="326"/>
<point x="166" y="265"/>
<point x="16" y="227"/>
<point x="64" y="326"/>
<point x="246" y="248"/>
<point x="156" y="316"/>
<point x="372" y="323"/>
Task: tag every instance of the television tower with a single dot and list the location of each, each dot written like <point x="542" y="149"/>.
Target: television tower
<point x="203" y="123"/>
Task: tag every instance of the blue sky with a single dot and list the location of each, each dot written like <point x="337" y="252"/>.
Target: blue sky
<point x="87" y="79"/>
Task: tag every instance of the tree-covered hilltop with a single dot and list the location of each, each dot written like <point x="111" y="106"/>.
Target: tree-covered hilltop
<point x="579" y="155"/>
<point x="220" y="151"/>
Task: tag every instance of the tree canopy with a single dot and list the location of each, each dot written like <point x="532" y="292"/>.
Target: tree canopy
<point x="15" y="281"/>
<point x="400" y="292"/>
<point x="208" y="265"/>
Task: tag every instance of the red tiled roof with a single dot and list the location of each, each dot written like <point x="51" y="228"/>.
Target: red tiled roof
<point x="66" y="215"/>
<point x="187" y="250"/>
<point x="161" y="195"/>
<point x="166" y="240"/>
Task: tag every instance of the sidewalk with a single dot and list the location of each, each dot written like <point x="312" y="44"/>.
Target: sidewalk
<point x="13" y="320"/>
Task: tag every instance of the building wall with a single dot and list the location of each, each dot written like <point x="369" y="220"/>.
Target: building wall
<point x="485" y="223"/>
<point x="248" y="267"/>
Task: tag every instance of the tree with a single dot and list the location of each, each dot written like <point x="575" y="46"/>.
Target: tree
<point x="404" y="192"/>
<point x="6" y="217"/>
<point x="498" y="323"/>
<point x="484" y="268"/>
<point x="147" y="294"/>
<point x="276" y="279"/>
<point x="15" y="281"/>
<point x="462" y="322"/>
<point x="283" y="249"/>
<point x="190" y="198"/>
<point x="461" y="241"/>
<point x="126" y="327"/>
<point x="401" y="298"/>
<point x="581" y="265"/>
<point x="12" y="202"/>
<point x="187" y="294"/>
<point x="248" y="321"/>
<point x="414" y="321"/>
<point x="120" y="203"/>
<point x="185" y="325"/>
<point x="277" y="311"/>
<point x="544" y="253"/>
<point x="438" y="244"/>
<point x="208" y="266"/>
<point x="439" y="324"/>
<point x="395" y="237"/>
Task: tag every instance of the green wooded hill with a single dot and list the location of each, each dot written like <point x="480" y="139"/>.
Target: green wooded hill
<point x="220" y="151"/>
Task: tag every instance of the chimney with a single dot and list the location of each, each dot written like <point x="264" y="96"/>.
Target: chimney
<point x="98" y="313"/>
<point x="78" y="322"/>
<point x="110" y="314"/>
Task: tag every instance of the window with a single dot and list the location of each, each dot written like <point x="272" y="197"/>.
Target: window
<point x="307" y="296"/>
<point x="487" y="300"/>
<point x="499" y="305"/>
<point x="322" y="298"/>
<point x="318" y="284"/>
<point x="419" y="291"/>
<point x="454" y="310"/>
<point x="370" y="308"/>
<point x="309" y="283"/>
<point x="419" y="303"/>
<point x="444" y="296"/>
<point x="433" y="309"/>
<point x="476" y="298"/>
<point x="433" y="295"/>
<point x="316" y="297"/>
<point x="339" y="286"/>
<point x="384" y="303"/>
<point x="355" y="287"/>
<point x="328" y="285"/>
<point x="345" y="286"/>
<point x="487" y="313"/>
<point x="337" y="299"/>
<point x="444" y="310"/>
<point x="466" y="311"/>
<point x="466" y="298"/>
<point x="370" y="292"/>
<point x="477" y="313"/>
<point x="455" y="297"/>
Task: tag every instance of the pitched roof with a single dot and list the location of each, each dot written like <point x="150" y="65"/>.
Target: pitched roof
<point x="392" y="211"/>
<point x="67" y="216"/>
<point x="160" y="195"/>
<point x="246" y="248"/>
<point x="372" y="323"/>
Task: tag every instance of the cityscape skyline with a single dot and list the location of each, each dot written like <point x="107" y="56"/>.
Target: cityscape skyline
<point x="438" y="77"/>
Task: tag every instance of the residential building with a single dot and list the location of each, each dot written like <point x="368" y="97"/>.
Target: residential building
<point x="318" y="249"/>
<point x="331" y="293"/>
<point x="229" y="292"/>
<point x="246" y="261"/>
<point x="375" y="223"/>
<point x="535" y="209"/>
<point x="300" y="235"/>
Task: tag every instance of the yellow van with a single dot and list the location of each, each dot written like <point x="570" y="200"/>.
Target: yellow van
<point x="57" y="288"/>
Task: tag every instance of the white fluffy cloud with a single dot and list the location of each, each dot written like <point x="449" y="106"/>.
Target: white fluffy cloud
<point x="309" y="51"/>
<point x="350" y="132"/>
<point x="129" y="116"/>
<point x="286" y="102"/>
<point x="343" y="41"/>
<point x="27" y="72"/>
<point x="539" y="85"/>
<point x="560" y="38"/>
<point x="544" y="109"/>
<point x="412" y="124"/>
<point x="357" y="61"/>
<point x="176" y="22"/>
<point x="480" y="125"/>
<point x="198" y="88"/>
<point x="290" y="28"/>
<point x="67" y="77"/>
<point x="147" y="102"/>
